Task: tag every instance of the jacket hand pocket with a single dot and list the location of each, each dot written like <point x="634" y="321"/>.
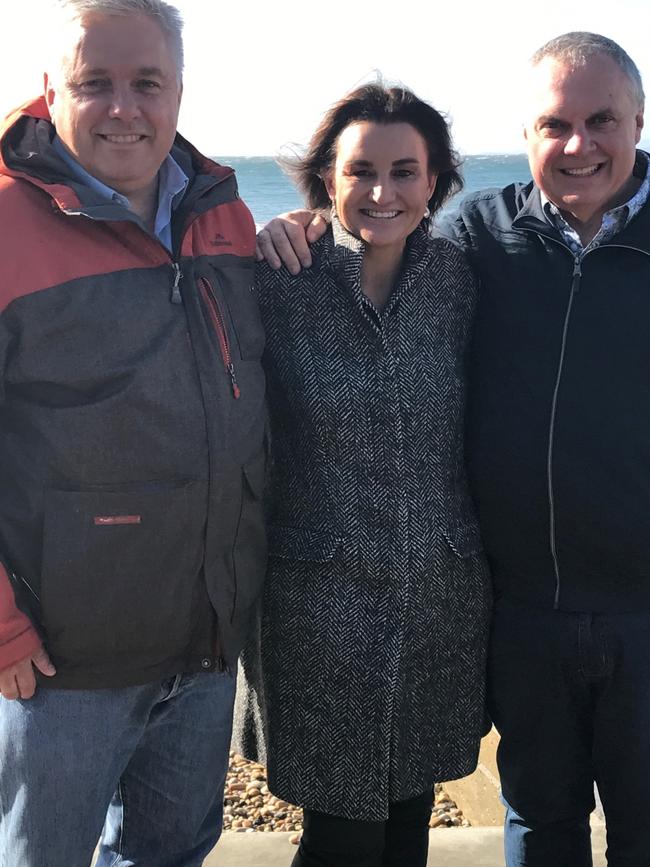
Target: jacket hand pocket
<point x="464" y="539"/>
<point x="121" y="572"/>
<point x="299" y="543"/>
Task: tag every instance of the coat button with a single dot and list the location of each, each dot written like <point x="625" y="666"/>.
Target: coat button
<point x="206" y="663"/>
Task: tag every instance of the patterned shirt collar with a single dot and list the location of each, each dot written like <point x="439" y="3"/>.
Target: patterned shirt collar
<point x="614" y="221"/>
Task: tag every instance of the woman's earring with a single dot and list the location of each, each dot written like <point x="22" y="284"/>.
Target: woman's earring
<point x="427" y="213"/>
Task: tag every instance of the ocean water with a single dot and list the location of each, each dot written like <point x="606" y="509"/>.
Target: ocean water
<point x="268" y="191"/>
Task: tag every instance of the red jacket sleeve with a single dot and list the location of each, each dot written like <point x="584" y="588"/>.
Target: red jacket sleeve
<point x="18" y="638"/>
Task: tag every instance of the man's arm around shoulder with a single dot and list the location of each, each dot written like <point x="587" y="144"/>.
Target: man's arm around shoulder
<point x="285" y="240"/>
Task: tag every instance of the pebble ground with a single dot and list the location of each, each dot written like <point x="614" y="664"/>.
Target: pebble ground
<point x="250" y="807"/>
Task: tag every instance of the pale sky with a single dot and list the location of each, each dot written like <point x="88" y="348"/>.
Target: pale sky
<point x="259" y="75"/>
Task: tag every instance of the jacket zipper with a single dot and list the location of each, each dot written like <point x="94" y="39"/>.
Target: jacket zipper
<point x="27" y="585"/>
<point x="575" y="286"/>
<point x="219" y="323"/>
<point x="176" y="297"/>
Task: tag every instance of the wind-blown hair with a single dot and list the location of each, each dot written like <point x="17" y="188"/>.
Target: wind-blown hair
<point x="577" y="47"/>
<point x="376" y="103"/>
<point x="167" y="16"/>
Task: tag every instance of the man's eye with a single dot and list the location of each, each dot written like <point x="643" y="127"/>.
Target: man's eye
<point x="93" y="84"/>
<point x="147" y="84"/>
<point x="553" y="127"/>
<point x="403" y="173"/>
<point x="601" y="119"/>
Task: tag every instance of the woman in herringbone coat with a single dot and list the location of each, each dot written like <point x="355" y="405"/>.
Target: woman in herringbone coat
<point x="364" y="684"/>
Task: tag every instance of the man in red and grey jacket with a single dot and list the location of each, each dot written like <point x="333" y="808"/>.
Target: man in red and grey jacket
<point x="132" y="454"/>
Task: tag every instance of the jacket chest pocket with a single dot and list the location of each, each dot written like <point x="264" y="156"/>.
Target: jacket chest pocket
<point x="232" y="293"/>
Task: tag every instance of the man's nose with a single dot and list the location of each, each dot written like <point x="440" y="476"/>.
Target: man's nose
<point x="578" y="142"/>
<point x="124" y="103"/>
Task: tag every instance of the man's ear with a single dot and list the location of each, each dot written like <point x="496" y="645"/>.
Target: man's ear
<point x="49" y="92"/>
<point x="639" y="125"/>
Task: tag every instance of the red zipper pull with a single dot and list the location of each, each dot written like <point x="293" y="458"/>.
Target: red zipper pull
<point x="236" y="393"/>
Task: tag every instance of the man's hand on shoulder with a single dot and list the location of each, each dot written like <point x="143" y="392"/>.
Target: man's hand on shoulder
<point x="285" y="240"/>
<point x="18" y="681"/>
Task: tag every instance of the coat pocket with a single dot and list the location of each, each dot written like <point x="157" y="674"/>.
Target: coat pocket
<point x="122" y="572"/>
<point x="299" y="543"/>
<point x="464" y="539"/>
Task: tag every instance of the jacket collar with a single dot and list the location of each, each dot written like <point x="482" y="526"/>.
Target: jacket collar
<point x="345" y="257"/>
<point x="531" y="215"/>
<point x="345" y="260"/>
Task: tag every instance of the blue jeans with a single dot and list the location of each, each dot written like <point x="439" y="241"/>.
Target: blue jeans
<point x="570" y="696"/>
<point x="146" y="763"/>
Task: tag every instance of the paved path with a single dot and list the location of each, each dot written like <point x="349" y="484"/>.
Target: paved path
<point x="450" y="847"/>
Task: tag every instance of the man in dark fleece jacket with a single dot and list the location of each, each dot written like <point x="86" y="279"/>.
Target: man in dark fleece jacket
<point x="559" y="454"/>
<point x="132" y="457"/>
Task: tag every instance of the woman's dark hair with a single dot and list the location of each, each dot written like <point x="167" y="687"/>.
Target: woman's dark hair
<point x="379" y="104"/>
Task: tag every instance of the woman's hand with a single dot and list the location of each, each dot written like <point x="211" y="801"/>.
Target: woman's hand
<point x="285" y="240"/>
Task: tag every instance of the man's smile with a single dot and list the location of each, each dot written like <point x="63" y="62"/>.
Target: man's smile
<point x="131" y="138"/>
<point x="583" y="172"/>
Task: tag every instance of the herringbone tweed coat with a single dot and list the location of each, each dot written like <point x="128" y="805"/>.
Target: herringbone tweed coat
<point x="364" y="681"/>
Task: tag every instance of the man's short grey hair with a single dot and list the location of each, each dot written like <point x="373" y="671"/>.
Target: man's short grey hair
<point x="577" y="47"/>
<point x="167" y="16"/>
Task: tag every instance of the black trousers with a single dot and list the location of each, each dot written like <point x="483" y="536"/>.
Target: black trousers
<point x="401" y="841"/>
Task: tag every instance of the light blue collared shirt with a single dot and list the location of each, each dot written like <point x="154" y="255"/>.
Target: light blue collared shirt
<point x="172" y="183"/>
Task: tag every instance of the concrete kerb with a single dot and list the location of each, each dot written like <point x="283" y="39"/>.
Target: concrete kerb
<point x="451" y="847"/>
